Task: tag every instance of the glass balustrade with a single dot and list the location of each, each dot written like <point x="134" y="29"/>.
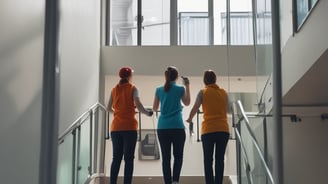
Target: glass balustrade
<point x="65" y="160"/>
<point x="84" y="151"/>
<point x="257" y="171"/>
<point x="252" y="154"/>
<point x="81" y="147"/>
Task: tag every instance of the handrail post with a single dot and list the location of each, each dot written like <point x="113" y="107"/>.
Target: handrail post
<point x="102" y="141"/>
<point x="90" y="142"/>
<point x="107" y="136"/>
<point x="139" y="113"/>
<point x="95" y="141"/>
<point x="238" y="148"/>
<point x="198" y="140"/>
<point x="77" y="167"/>
<point x="74" y="158"/>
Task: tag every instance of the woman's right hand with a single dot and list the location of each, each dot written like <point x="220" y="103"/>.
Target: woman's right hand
<point x="185" y="80"/>
<point x="150" y="112"/>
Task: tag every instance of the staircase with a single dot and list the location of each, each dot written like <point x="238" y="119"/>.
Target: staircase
<point x="158" y="180"/>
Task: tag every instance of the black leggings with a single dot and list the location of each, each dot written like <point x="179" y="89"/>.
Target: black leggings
<point x="124" y="143"/>
<point x="217" y="140"/>
<point x="167" y="138"/>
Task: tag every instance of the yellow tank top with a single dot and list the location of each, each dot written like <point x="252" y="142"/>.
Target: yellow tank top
<point x="214" y="106"/>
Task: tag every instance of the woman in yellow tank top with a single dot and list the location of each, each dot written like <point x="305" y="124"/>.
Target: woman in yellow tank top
<point x="215" y="129"/>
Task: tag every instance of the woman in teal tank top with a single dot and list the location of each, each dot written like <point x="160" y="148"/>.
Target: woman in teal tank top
<point x="170" y="128"/>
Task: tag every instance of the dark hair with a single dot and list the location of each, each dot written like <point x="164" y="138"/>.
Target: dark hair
<point x="209" y="77"/>
<point x="124" y="80"/>
<point x="171" y="74"/>
<point x="125" y="72"/>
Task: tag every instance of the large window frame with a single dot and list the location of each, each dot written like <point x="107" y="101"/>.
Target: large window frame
<point x="298" y="18"/>
<point x="175" y="25"/>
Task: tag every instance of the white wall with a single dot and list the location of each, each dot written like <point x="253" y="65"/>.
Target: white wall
<point x="305" y="142"/>
<point x="301" y="51"/>
<point x="305" y="146"/>
<point x="21" y="73"/>
<point x="79" y="45"/>
<point x="190" y="60"/>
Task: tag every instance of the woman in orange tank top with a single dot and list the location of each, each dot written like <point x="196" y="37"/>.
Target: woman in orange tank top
<point x="123" y="99"/>
<point x="215" y="129"/>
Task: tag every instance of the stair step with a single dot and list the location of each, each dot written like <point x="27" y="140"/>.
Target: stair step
<point x="158" y="180"/>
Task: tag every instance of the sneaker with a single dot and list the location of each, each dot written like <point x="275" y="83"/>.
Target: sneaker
<point x="175" y="182"/>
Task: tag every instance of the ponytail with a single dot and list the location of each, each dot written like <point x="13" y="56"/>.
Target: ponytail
<point x="171" y="74"/>
<point x="123" y="80"/>
<point x="167" y="84"/>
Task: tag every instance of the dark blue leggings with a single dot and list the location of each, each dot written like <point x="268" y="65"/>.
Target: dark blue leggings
<point x="217" y="140"/>
<point x="124" y="144"/>
<point x="167" y="138"/>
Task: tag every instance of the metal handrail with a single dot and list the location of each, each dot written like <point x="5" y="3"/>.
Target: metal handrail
<point x="97" y="140"/>
<point x="253" y="139"/>
<point x="79" y="121"/>
<point x="246" y="160"/>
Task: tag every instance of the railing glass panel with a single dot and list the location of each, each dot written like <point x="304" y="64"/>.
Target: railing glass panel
<point x="252" y="146"/>
<point x="81" y="147"/>
<point x="84" y="151"/>
<point x="65" y="160"/>
<point x="258" y="126"/>
<point x="256" y="170"/>
<point x="243" y="166"/>
<point x="99" y="136"/>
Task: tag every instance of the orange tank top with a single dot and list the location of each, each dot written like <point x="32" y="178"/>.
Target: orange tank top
<point x="124" y="108"/>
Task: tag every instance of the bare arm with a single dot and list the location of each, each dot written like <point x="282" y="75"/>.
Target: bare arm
<point x="186" y="97"/>
<point x="156" y="104"/>
<point x="139" y="105"/>
<point x="141" y="108"/>
<point x="110" y="104"/>
<point x="194" y="110"/>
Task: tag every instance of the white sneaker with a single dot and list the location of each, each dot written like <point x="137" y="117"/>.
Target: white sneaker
<point x="175" y="182"/>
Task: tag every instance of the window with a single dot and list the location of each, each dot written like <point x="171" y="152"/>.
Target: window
<point x="194" y="29"/>
<point x="179" y="22"/>
<point x="154" y="28"/>
<point x="241" y="28"/>
<point x="123" y="23"/>
<point x="156" y="22"/>
<point x="302" y="9"/>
